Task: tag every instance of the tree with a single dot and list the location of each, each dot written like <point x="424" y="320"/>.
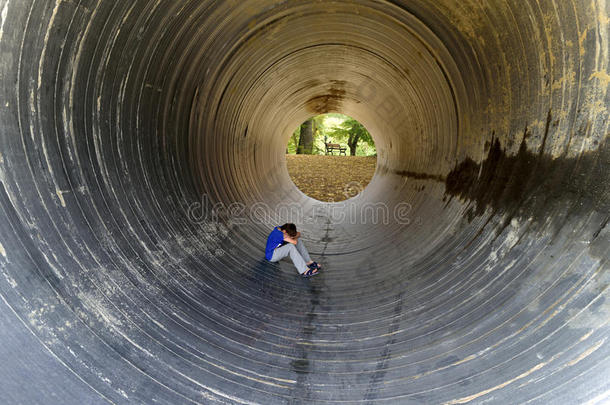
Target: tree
<point x="306" y="138"/>
<point x="353" y="132"/>
<point x="293" y="142"/>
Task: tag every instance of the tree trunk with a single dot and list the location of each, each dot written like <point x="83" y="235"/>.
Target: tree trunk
<point x="352" y="142"/>
<point x="306" y="138"/>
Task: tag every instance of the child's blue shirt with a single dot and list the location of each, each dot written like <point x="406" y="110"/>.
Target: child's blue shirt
<point x="275" y="239"/>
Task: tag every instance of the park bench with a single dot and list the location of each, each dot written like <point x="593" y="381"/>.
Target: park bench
<point x="331" y="147"/>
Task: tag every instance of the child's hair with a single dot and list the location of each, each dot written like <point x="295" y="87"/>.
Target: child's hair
<point x="291" y="229"/>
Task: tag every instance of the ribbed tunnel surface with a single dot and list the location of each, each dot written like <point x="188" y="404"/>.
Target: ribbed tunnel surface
<point x="142" y="166"/>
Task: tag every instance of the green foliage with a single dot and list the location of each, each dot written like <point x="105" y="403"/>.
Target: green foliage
<point x="352" y="132"/>
<point x="293" y="142"/>
<point x="336" y="128"/>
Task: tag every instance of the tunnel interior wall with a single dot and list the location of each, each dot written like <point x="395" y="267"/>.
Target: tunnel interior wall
<point x="123" y="123"/>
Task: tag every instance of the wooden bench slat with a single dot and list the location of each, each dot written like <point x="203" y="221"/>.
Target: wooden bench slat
<point x="331" y="147"/>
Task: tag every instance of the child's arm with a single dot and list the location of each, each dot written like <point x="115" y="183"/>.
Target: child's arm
<point x="290" y="240"/>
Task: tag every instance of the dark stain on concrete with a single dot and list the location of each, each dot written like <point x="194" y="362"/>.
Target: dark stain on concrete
<point x="300" y="366"/>
<point x="418" y="176"/>
<point x="384" y="359"/>
<point x="309" y="84"/>
<point x="499" y="179"/>
<point x="504" y="182"/>
<point x="330" y="101"/>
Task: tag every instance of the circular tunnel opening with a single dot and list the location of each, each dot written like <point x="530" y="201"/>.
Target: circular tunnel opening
<point x="317" y="157"/>
<point x="143" y="164"/>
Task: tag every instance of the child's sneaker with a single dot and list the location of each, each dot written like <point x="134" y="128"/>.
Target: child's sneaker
<point x="314" y="265"/>
<point x="311" y="272"/>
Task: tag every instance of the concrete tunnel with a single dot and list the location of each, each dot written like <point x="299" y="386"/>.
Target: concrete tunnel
<point x="142" y="166"/>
